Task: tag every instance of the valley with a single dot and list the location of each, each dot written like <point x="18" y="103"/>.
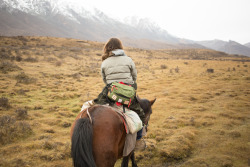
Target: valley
<point x="200" y="118"/>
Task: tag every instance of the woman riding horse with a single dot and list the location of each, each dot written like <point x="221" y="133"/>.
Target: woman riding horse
<point x="98" y="134"/>
<point x="118" y="67"/>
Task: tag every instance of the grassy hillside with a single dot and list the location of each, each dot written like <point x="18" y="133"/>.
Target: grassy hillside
<point x="200" y="118"/>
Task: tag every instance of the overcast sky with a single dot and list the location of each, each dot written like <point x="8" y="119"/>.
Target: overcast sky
<point x="191" y="19"/>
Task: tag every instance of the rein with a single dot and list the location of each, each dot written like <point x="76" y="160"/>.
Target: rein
<point x="87" y="110"/>
<point x="146" y="123"/>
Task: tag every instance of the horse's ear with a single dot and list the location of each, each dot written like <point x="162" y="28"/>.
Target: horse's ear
<point x="152" y="102"/>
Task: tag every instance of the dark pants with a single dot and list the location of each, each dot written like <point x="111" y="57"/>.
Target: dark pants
<point x="103" y="96"/>
<point x="135" y="105"/>
<point x="139" y="134"/>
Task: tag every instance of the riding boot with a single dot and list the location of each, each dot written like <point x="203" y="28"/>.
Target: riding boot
<point x="140" y="145"/>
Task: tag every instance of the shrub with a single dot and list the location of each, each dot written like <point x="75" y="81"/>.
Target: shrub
<point x="22" y="38"/>
<point x="192" y="98"/>
<point x="77" y="75"/>
<point x="7" y="66"/>
<point x="75" y="49"/>
<point x="19" y="58"/>
<point x="49" y="131"/>
<point x="23" y="78"/>
<point x="66" y="124"/>
<point x="75" y="57"/>
<point x="177" y="69"/>
<point x="47" y="145"/>
<point x="21" y="113"/>
<point x="4" y="102"/>
<point x="58" y="63"/>
<point x="31" y="59"/>
<point x="61" y="55"/>
<point x="4" y="56"/>
<point x="210" y="70"/>
<point x="20" y="162"/>
<point x="22" y="91"/>
<point x="11" y="129"/>
<point x="177" y="147"/>
<point x="235" y="134"/>
<point x="163" y="66"/>
<point x="38" y="107"/>
<point x="3" y="50"/>
<point x="51" y="59"/>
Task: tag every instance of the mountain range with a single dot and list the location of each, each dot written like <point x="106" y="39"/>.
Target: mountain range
<point x="230" y="47"/>
<point x="63" y="18"/>
<point x="247" y="44"/>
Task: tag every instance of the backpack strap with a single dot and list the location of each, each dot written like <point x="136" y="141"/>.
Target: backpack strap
<point x="123" y="108"/>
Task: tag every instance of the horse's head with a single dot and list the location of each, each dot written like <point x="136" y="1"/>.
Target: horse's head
<point x="146" y="106"/>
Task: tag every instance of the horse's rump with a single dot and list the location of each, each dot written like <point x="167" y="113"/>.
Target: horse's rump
<point x="108" y="134"/>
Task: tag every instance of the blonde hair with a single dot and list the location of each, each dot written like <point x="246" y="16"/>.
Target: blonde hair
<point x="112" y="44"/>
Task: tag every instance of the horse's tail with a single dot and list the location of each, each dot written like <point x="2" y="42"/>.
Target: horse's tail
<point x="81" y="148"/>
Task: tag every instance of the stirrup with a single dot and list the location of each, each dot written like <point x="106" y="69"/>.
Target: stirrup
<point x="140" y="145"/>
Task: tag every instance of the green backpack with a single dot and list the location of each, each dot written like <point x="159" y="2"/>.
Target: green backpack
<point x="121" y="93"/>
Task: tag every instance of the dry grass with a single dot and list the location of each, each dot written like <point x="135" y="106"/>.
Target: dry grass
<point x="199" y="118"/>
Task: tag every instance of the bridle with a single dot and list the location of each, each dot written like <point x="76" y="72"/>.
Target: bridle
<point x="146" y="123"/>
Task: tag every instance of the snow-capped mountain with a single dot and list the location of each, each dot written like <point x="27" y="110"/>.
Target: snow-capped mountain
<point x="77" y="19"/>
<point x="142" y="23"/>
<point x="69" y="18"/>
<point x="53" y="7"/>
<point x="150" y="27"/>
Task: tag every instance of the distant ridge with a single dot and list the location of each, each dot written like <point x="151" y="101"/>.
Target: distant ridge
<point x="230" y="47"/>
<point x="247" y="44"/>
<point x="150" y="44"/>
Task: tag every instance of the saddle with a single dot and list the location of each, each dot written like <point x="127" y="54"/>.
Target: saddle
<point x="131" y="121"/>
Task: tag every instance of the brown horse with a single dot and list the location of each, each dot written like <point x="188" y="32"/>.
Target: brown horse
<point x="98" y="136"/>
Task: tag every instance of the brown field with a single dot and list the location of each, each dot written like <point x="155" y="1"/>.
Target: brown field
<point x="200" y="119"/>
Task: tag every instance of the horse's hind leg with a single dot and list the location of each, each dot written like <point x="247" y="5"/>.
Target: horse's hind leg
<point x="125" y="161"/>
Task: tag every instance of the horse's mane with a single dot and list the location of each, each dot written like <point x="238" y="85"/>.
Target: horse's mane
<point x="145" y="105"/>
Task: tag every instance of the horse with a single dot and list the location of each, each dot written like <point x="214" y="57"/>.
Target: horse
<point x="98" y="136"/>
